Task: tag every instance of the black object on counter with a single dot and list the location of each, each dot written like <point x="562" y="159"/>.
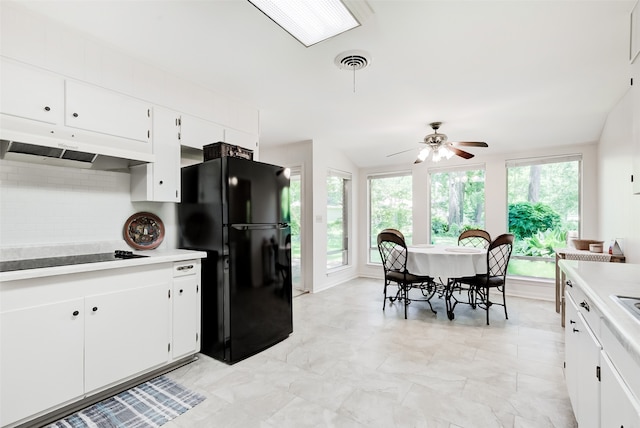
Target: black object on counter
<point x="47" y="262"/>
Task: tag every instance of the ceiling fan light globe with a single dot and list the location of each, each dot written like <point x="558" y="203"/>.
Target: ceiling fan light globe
<point x="447" y="153"/>
<point x="423" y="154"/>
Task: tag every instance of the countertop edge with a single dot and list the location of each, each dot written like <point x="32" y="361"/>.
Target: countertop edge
<point x="155" y="257"/>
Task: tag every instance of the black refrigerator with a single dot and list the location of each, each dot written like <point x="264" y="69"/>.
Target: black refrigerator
<point x="237" y="210"/>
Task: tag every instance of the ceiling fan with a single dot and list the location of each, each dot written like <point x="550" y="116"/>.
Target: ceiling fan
<point x="442" y="148"/>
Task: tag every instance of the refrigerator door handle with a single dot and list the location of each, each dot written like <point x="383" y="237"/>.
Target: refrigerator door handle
<point x="256" y="226"/>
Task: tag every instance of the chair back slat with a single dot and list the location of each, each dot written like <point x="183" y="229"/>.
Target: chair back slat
<point x="393" y="251"/>
<point x="498" y="255"/>
<point x="475" y="238"/>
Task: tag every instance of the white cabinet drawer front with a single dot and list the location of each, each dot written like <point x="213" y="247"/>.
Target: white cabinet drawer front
<point x="42" y="358"/>
<point x="628" y="368"/>
<point x="100" y="110"/>
<point x="585" y="307"/>
<point x="31" y="93"/>
<point x="127" y="332"/>
<point x="191" y="267"/>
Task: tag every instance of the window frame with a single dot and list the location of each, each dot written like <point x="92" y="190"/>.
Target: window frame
<point x="449" y="169"/>
<point x="347" y="184"/>
<point x="382" y="175"/>
<point x="545" y="160"/>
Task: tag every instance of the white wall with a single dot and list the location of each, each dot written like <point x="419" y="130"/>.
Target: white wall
<point x="619" y="209"/>
<point x="43" y="205"/>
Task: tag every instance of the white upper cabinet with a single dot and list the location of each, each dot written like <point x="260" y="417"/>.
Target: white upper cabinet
<point x="95" y="109"/>
<point x="197" y="133"/>
<point x="31" y="94"/>
<point x="242" y="139"/>
<point x="46" y="109"/>
<point x="160" y="181"/>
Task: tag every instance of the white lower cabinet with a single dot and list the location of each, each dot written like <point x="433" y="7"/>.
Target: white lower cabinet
<point x="126" y="332"/>
<point x="582" y="364"/>
<point x="186" y="309"/>
<point x="67" y="337"/>
<point x="620" y="408"/>
<point x="42" y="358"/>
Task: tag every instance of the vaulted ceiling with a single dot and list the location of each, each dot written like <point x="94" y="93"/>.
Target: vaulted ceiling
<point x="516" y="74"/>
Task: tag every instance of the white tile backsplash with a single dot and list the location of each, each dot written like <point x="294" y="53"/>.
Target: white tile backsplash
<point x="58" y="207"/>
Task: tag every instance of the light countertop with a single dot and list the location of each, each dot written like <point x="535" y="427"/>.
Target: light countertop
<point x="155" y="256"/>
<point x="599" y="281"/>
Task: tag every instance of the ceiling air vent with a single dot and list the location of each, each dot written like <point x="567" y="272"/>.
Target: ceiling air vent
<point x="352" y="60"/>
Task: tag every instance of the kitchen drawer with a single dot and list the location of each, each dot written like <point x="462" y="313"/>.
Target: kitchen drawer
<point x="586" y="307"/>
<point x="627" y="366"/>
<point x="189" y="267"/>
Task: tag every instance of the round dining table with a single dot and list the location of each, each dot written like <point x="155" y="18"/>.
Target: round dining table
<point x="446" y="263"/>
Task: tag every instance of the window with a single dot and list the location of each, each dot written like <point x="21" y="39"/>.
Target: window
<point x="457" y="203"/>
<point x="338" y="191"/>
<point x="543" y="197"/>
<point x="390" y="205"/>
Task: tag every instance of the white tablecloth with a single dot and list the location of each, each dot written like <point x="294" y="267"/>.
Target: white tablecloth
<point x="446" y="261"/>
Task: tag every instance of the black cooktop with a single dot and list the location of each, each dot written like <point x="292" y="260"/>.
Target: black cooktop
<point x="66" y="260"/>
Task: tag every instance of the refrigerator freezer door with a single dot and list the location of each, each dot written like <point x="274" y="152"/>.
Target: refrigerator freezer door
<point x="257" y="192"/>
<point x="259" y="280"/>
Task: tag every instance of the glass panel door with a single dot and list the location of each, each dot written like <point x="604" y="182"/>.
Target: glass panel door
<point x="296" y="228"/>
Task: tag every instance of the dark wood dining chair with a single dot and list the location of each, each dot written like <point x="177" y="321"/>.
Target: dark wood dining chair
<point x="477" y="238"/>
<point x="498" y="255"/>
<point x="393" y="252"/>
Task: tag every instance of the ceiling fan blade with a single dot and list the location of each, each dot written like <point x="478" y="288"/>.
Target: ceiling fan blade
<point x="418" y="161"/>
<point x="397" y="153"/>
<point x="461" y="153"/>
<point x="471" y="143"/>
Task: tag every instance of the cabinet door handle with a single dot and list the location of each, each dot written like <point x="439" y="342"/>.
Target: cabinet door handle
<point x="47" y="108"/>
<point x="161" y="182"/>
<point x="95" y="309"/>
<point x="569" y="283"/>
<point x="585" y="305"/>
<point x="181" y="291"/>
<point x="187" y="267"/>
<point x="75" y="115"/>
<point x="76" y="313"/>
<point x="575" y="330"/>
<point x="572" y="322"/>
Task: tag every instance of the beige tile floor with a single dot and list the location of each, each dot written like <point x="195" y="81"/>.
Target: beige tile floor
<point x="349" y="364"/>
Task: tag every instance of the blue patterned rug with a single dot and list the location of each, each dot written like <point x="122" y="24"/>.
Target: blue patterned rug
<point x="150" y="404"/>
